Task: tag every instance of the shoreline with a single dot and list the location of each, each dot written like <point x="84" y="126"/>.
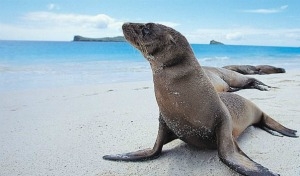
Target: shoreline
<point x="67" y="130"/>
<point x="48" y="81"/>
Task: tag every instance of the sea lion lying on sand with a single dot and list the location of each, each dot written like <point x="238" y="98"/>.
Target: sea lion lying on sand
<point x="225" y="80"/>
<point x="268" y="69"/>
<point x="251" y="70"/>
<point x="190" y="108"/>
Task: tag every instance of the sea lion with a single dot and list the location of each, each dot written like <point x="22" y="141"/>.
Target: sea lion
<point x="243" y="69"/>
<point x="190" y="108"/>
<point x="268" y="69"/>
<point x="225" y="80"/>
<point x="251" y="70"/>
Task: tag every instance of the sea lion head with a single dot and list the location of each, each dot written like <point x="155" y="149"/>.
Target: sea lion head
<point x="159" y="44"/>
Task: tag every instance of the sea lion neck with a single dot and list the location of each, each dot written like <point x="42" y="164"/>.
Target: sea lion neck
<point x="185" y="62"/>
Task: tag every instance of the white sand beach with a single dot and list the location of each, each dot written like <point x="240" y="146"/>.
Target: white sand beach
<point x="66" y="131"/>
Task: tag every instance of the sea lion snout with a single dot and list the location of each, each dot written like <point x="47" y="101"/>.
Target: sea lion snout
<point x="132" y="26"/>
<point x="132" y="33"/>
<point x="280" y="70"/>
<point x="144" y="37"/>
<point x="140" y="29"/>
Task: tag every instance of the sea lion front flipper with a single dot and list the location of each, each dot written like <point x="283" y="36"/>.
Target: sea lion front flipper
<point x="133" y="156"/>
<point x="165" y="135"/>
<point x="230" y="154"/>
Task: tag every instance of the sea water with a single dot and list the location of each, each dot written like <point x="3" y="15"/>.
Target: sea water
<point x="44" y="64"/>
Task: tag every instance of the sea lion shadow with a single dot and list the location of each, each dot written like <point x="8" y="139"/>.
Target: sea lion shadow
<point x="185" y="159"/>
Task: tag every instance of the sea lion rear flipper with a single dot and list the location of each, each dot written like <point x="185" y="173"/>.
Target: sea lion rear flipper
<point x="270" y="131"/>
<point x="165" y="135"/>
<point x="233" y="89"/>
<point x="256" y="84"/>
<point x="230" y="154"/>
<point x="267" y="123"/>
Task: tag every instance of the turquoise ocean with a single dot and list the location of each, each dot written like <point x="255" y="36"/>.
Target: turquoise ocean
<point x="47" y="64"/>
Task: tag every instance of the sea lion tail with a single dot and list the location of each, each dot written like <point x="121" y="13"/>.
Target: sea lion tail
<point x="269" y="125"/>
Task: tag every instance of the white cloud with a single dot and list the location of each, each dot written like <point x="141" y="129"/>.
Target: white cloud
<point x="59" y="26"/>
<point x="267" y="11"/>
<point x="50" y="25"/>
<point x="56" y="19"/>
<point x="247" y="36"/>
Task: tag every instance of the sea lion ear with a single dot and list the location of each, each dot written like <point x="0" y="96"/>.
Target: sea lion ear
<point x="171" y="39"/>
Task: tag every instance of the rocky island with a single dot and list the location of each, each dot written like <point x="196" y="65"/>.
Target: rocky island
<point x="213" y="42"/>
<point x="78" y="38"/>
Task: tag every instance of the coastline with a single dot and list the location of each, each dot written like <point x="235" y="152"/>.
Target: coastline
<point x="66" y="131"/>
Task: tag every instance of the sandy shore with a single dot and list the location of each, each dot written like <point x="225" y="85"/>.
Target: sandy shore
<point x="66" y="131"/>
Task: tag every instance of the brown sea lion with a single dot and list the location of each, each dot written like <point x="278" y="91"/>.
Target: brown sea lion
<point x="251" y="70"/>
<point x="268" y="69"/>
<point x="225" y="80"/>
<point x="243" y="69"/>
<point x="190" y="108"/>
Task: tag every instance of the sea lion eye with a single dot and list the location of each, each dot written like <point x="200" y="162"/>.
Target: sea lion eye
<point x="145" y="31"/>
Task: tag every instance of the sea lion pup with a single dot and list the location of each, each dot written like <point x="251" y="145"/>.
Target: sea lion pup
<point x="190" y="108"/>
<point x="268" y="69"/>
<point x="251" y="70"/>
<point x="225" y="80"/>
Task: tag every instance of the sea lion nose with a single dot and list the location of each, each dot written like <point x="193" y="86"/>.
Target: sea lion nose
<point x="128" y="25"/>
<point x="125" y="25"/>
<point x="133" y="27"/>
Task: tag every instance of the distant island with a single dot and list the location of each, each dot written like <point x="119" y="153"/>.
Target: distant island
<point x="213" y="42"/>
<point x="78" y="38"/>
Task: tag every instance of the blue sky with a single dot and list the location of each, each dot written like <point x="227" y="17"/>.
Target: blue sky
<point x="238" y="22"/>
